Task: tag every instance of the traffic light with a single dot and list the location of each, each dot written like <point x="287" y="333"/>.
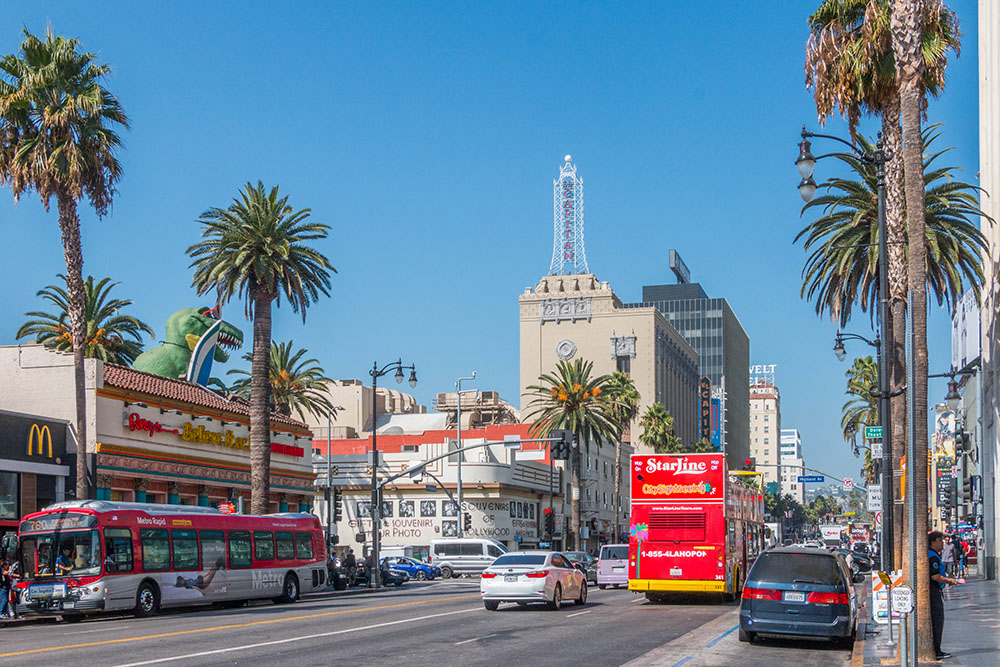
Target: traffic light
<point x="550" y="522"/>
<point x="338" y="504"/>
<point x="466" y="521"/>
<point x="967" y="488"/>
<point x="563" y="445"/>
<point x="750" y="464"/>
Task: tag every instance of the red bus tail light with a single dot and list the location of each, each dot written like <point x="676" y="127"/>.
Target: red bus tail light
<point x="488" y="575"/>
<point x="761" y="594"/>
<point x="537" y="575"/>
<point x="828" y="598"/>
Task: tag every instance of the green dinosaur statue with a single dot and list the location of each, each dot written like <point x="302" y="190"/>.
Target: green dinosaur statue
<point x="185" y="330"/>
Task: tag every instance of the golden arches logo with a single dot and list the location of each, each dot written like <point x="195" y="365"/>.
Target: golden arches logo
<point x="43" y="433"/>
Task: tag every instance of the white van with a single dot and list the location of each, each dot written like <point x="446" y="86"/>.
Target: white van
<point x="467" y="555"/>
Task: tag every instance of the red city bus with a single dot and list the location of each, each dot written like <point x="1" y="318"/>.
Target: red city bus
<point x="693" y="527"/>
<point x="88" y="556"/>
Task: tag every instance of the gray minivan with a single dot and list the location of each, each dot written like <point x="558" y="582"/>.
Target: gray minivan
<point x="467" y="555"/>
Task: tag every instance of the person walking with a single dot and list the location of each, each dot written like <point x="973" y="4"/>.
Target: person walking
<point x="948" y="557"/>
<point x="351" y="563"/>
<point x="961" y="556"/>
<point x="6" y="583"/>
<point x="939" y="580"/>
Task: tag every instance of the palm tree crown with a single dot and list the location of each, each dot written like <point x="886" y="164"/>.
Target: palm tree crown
<point x="624" y="399"/>
<point x="110" y="335"/>
<point x="57" y="123"/>
<point x="842" y="268"/>
<point x="259" y="244"/>
<point x="296" y="384"/>
<point x="571" y="399"/>
<point x="658" y="430"/>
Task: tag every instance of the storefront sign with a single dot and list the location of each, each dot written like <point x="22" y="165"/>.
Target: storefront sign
<point x="137" y="423"/>
<point x="696" y="477"/>
<point x="37" y="437"/>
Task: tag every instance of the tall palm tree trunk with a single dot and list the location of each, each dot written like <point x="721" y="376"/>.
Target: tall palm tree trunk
<point x="906" y="29"/>
<point x="260" y="413"/>
<point x="574" y="466"/>
<point x="895" y="329"/>
<point x="69" y="225"/>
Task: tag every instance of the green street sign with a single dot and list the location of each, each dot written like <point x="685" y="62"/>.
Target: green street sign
<point x="873" y="432"/>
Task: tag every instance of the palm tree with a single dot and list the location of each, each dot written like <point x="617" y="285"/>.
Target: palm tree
<point x="58" y="137"/>
<point x="862" y="409"/>
<point x="907" y="38"/>
<point x="851" y="63"/>
<point x="573" y="400"/>
<point x="296" y="384"/>
<point x="658" y="430"/>
<point x="842" y="269"/>
<point x="625" y="406"/>
<point x="111" y="336"/>
<point x="257" y="248"/>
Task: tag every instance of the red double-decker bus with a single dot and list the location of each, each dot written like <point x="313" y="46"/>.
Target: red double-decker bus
<point x="88" y="556"/>
<point x="693" y="527"/>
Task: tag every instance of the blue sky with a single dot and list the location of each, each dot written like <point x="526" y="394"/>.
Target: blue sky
<point x="428" y="134"/>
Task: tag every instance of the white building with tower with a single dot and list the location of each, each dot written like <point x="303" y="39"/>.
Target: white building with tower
<point x="765" y="423"/>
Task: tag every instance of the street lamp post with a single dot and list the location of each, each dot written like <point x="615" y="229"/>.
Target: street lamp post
<point x="458" y="457"/>
<point x="806" y="163"/>
<point x="376" y="511"/>
<point x="329" y="480"/>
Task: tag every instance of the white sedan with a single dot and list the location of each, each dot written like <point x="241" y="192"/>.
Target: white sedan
<point x="532" y="576"/>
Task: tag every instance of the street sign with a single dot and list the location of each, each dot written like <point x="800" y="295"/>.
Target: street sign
<point x="811" y="478"/>
<point x="227" y="508"/>
<point x="430" y="488"/>
<point x="878" y="519"/>
<point x="902" y="599"/>
<point x="848" y="483"/>
<point x="874" y="498"/>
<point x="876" y="449"/>
<point x="884" y="578"/>
<point x="873" y="432"/>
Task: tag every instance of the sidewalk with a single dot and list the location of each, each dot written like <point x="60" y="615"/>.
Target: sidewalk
<point x="971" y="624"/>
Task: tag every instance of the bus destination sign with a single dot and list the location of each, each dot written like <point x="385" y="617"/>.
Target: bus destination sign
<point x="46" y="524"/>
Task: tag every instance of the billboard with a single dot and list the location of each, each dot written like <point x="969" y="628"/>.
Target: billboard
<point x="944" y="437"/>
<point x="705" y="408"/>
<point x="965" y="331"/>
<point x="716" y="423"/>
<point x="678" y="477"/>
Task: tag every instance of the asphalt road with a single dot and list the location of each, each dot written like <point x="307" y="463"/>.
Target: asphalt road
<point x="436" y="623"/>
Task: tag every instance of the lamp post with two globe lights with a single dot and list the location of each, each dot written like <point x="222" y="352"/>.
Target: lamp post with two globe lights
<point x="376" y="511"/>
<point x="806" y="163"/>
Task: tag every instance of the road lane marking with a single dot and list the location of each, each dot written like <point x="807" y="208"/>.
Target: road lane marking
<point x="87" y="632"/>
<point x="475" y="639"/>
<point x="719" y="638"/>
<point x="638" y="600"/>
<point x="233" y="626"/>
<point x="682" y="661"/>
<point x="202" y="654"/>
<point x="580" y="612"/>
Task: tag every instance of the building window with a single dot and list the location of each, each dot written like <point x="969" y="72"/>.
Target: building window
<point x="767" y="417"/>
<point x="767" y="440"/>
<point x="766" y="429"/>
<point x="9" y="497"/>
<point x="624" y="364"/>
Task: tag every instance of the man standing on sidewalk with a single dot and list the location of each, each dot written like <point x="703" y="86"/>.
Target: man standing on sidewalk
<point x="935" y="540"/>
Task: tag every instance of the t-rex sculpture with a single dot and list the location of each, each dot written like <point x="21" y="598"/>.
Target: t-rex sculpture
<point x="197" y="331"/>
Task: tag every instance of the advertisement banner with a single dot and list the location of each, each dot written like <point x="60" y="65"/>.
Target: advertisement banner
<point x="678" y="478"/>
<point x="716" y="423"/>
<point x="944" y="438"/>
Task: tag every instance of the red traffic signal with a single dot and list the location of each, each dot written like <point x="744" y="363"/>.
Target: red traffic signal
<point x="548" y="510"/>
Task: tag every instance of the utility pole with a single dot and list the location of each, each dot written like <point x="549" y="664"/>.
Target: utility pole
<point x="458" y="457"/>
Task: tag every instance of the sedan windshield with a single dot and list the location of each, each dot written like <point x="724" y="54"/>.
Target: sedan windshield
<point x="520" y="559"/>
<point x="61" y="554"/>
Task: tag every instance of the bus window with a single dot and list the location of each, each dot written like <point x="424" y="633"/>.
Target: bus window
<point x="185" y="543"/>
<point x="263" y="545"/>
<point x="239" y="549"/>
<point x="155" y="549"/>
<point x="213" y="548"/>
<point x="303" y="546"/>
<point x="117" y="550"/>
<point x="286" y="546"/>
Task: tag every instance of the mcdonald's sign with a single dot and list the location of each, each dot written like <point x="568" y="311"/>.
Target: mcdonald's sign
<point x="39" y="435"/>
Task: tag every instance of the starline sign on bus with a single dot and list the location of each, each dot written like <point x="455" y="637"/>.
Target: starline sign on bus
<point x="698" y="477"/>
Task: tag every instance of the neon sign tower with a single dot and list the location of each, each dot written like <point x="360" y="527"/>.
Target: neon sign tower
<point x="568" y="254"/>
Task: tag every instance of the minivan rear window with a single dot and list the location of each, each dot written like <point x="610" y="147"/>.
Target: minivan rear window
<point x="614" y="553"/>
<point x="791" y="567"/>
<point x="520" y="559"/>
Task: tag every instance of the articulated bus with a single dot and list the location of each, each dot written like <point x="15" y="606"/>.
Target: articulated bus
<point x="693" y="527"/>
<point x="89" y="556"/>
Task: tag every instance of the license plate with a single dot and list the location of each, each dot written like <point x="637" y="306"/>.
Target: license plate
<point x="795" y="597"/>
<point x="675" y="572"/>
<point x="510" y="579"/>
<point x="47" y="591"/>
<point x="618" y="569"/>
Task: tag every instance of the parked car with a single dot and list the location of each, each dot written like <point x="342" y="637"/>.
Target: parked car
<point x="532" y="576"/>
<point x="799" y="591"/>
<point x="469" y="555"/>
<point x="416" y="569"/>
<point x="394" y="577"/>
<point x="612" y="566"/>
<point x="584" y="562"/>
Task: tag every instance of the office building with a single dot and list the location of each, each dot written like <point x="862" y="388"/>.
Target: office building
<point x="790" y="457"/>
<point x="765" y="429"/>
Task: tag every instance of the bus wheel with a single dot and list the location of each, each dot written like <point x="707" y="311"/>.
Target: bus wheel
<point x="147" y="600"/>
<point x="290" y="591"/>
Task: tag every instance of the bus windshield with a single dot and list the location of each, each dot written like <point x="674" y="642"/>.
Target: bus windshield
<point x="61" y="554"/>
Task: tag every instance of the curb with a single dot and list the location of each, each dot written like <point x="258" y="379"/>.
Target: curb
<point x="30" y="620"/>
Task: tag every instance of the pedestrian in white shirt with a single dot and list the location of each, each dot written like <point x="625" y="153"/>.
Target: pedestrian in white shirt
<point x="948" y="556"/>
